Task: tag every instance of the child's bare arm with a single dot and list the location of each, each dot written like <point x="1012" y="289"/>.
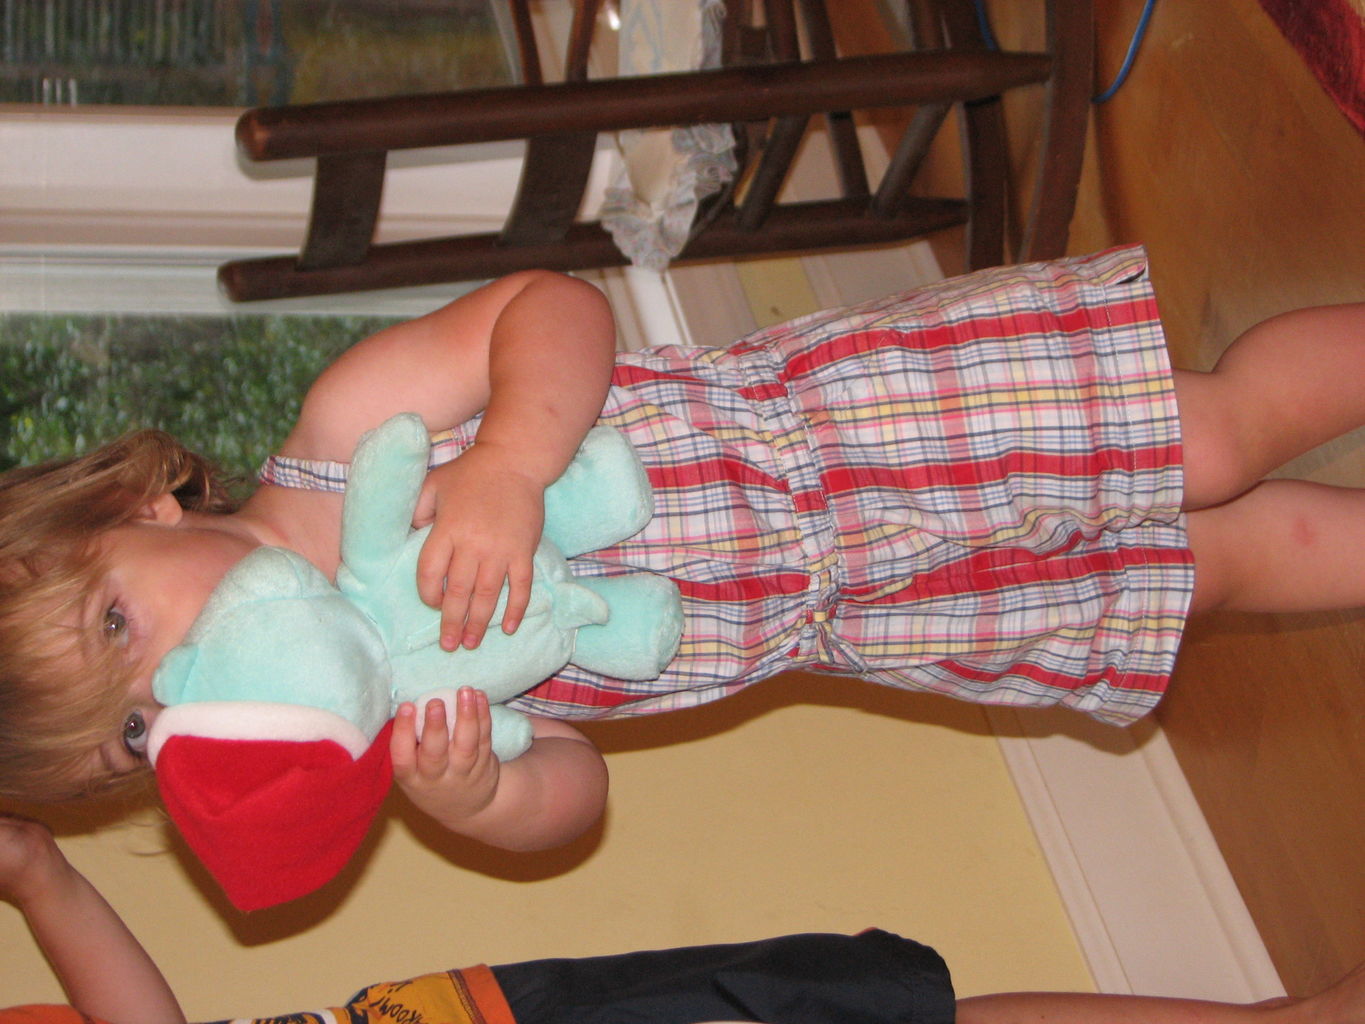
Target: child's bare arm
<point x="546" y="797"/>
<point x="103" y="969"/>
<point x="533" y="351"/>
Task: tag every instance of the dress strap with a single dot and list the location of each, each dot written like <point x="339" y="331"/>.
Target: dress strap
<point x="304" y="474"/>
<point x="322" y="475"/>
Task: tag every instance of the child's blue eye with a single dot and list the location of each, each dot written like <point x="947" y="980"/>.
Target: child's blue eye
<point x="115" y="625"/>
<point x="135" y="734"/>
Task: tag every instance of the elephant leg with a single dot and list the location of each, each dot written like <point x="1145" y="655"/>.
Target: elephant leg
<point x="642" y="634"/>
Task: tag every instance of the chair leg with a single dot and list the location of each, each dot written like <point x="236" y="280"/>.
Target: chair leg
<point x="843" y="133"/>
<point x="910" y="154"/>
<point x="779" y="149"/>
<point x="1071" y="41"/>
<point x="984" y="149"/>
<point x="987" y="164"/>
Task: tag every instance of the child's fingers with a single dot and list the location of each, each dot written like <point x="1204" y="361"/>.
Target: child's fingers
<point x="403" y="741"/>
<point x="473" y="730"/>
<point x="433" y="565"/>
<point x="433" y="749"/>
<point x="412" y="756"/>
<point x="465" y="614"/>
<point x="518" y="595"/>
<point x="454" y="601"/>
<point x="425" y="512"/>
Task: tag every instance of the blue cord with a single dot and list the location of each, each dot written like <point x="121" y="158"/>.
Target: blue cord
<point x="988" y="36"/>
<point x="984" y="20"/>
<point x="1138" y="33"/>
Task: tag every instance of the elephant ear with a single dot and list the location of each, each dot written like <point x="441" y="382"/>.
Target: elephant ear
<point x="385" y="480"/>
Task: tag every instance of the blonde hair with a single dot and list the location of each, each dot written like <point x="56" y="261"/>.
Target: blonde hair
<point x="61" y="695"/>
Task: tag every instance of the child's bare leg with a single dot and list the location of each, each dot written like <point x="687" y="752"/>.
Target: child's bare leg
<point x="1283" y="546"/>
<point x="1343" y="1003"/>
<point x="1086" y="1008"/>
<point x="1284" y="387"/>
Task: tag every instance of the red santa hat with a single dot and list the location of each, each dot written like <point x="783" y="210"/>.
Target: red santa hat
<point x="274" y="799"/>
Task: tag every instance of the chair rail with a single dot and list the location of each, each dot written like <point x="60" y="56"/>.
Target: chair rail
<point x="755" y="93"/>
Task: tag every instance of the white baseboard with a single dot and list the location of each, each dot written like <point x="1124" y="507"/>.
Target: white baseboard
<point x="1151" y="900"/>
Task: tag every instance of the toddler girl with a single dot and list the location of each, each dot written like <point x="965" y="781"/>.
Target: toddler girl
<point x="978" y="488"/>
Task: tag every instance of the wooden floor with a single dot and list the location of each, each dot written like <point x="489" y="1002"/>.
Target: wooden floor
<point x="1222" y="155"/>
<point x="1225" y="158"/>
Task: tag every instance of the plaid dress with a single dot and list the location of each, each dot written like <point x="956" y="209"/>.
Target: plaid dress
<point x="972" y="489"/>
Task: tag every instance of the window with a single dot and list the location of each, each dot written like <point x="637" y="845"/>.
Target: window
<point x="114" y="217"/>
<point x="120" y="193"/>
<point x="241" y="53"/>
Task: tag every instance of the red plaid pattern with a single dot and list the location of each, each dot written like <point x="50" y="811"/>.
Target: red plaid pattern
<point x="972" y="489"/>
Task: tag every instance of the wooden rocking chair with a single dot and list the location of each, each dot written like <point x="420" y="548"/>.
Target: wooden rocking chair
<point x="765" y="84"/>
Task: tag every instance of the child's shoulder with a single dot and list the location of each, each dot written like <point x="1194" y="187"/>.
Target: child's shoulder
<point x="306" y="521"/>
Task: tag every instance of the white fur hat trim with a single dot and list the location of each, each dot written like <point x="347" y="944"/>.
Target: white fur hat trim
<point x="254" y="720"/>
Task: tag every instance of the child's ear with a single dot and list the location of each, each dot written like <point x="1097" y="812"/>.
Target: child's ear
<point x="163" y="509"/>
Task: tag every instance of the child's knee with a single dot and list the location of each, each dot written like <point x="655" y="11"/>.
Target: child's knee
<point x="1217" y="467"/>
<point x="1216" y="575"/>
<point x="1218" y="446"/>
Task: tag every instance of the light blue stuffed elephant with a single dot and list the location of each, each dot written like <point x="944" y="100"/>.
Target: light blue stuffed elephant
<point x="276" y="630"/>
<point x="280" y="656"/>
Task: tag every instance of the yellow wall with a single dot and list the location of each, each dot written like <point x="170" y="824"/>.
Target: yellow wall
<point x="808" y="803"/>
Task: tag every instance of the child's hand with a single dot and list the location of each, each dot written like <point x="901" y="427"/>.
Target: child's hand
<point x="451" y="775"/>
<point x="30" y="861"/>
<point x="544" y="798"/>
<point x="488" y="519"/>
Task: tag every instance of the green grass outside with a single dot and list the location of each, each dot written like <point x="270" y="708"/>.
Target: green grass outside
<point x="227" y="387"/>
